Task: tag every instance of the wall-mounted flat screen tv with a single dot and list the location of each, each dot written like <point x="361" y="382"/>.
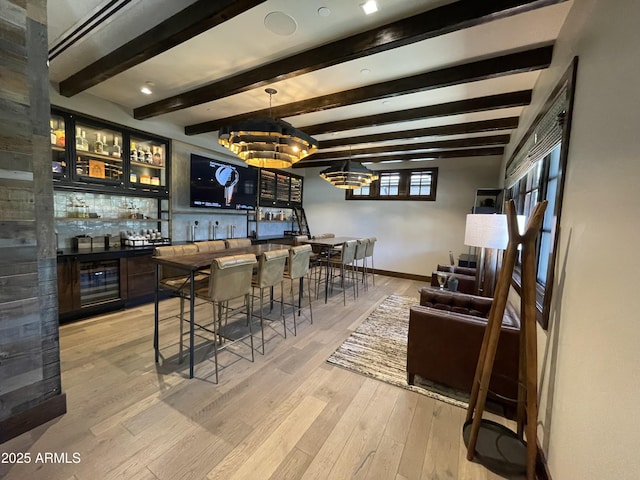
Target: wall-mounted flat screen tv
<point x="216" y="184"/>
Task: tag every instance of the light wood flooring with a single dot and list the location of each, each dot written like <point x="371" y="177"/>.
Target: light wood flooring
<point x="288" y="415"/>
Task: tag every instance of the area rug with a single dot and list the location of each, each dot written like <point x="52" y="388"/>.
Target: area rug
<point x="378" y="349"/>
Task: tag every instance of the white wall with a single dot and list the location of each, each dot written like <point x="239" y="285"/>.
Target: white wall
<point x="590" y="359"/>
<point x="413" y="237"/>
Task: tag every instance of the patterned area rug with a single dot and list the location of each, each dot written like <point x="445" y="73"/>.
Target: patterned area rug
<point x="378" y="349"/>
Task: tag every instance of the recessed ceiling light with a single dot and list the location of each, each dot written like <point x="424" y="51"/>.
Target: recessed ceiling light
<point x="365" y="71"/>
<point x="391" y="161"/>
<point x="147" y="88"/>
<point x="369" y="7"/>
<point x="324" y="12"/>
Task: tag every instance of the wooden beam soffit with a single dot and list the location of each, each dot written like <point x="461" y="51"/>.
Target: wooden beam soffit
<point x="470" y="105"/>
<point x="470" y="152"/>
<point x="432" y="23"/>
<point x="435" y="147"/>
<point x="184" y="25"/>
<point x="506" y="123"/>
<point x="526" y="61"/>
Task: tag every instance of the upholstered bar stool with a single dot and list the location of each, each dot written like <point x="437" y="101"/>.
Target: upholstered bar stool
<point x="361" y="248"/>
<point x="344" y="263"/>
<point x="230" y="279"/>
<point x="176" y="280"/>
<point x="369" y="255"/>
<point x="270" y="273"/>
<point x="238" y="242"/>
<point x="211" y="245"/>
<point x="298" y="267"/>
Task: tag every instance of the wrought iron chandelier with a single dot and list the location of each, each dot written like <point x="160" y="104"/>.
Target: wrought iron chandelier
<point x="267" y="142"/>
<point x="348" y="175"/>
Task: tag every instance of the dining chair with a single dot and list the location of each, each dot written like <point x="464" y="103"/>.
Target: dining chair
<point x="238" y="242"/>
<point x="270" y="272"/>
<point x="344" y="263"/>
<point x="175" y="280"/>
<point x="230" y="279"/>
<point x="298" y="268"/>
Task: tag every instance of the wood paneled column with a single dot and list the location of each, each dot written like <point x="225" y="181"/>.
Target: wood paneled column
<point x="30" y="387"/>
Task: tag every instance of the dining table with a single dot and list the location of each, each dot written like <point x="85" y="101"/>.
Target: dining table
<point x="193" y="263"/>
<point x="325" y="245"/>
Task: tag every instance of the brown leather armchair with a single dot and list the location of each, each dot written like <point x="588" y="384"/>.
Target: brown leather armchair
<point x="444" y="339"/>
<point x="466" y="278"/>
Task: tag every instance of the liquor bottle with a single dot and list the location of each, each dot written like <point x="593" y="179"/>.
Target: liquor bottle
<point x="79" y="144"/>
<point x="98" y="147"/>
<point x="147" y="155"/>
<point x="85" y="142"/>
<point x="134" y="152"/>
<point x="53" y="133"/>
<point x="116" y="151"/>
<point x="60" y="140"/>
<point x="140" y="154"/>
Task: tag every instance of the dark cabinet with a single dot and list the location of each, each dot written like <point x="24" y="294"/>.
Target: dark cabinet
<point x="279" y="189"/>
<point x="94" y="154"/>
<point x="140" y="276"/>
<point x="68" y="285"/>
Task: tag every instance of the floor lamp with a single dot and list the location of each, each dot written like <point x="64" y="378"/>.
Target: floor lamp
<point x="486" y="231"/>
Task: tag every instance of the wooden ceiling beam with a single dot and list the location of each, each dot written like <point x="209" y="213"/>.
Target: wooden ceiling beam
<point x="470" y="105"/>
<point x="361" y="154"/>
<point x="470" y="152"/>
<point x="495" y="124"/>
<point x="199" y="17"/>
<point x="509" y="64"/>
<point x="432" y="23"/>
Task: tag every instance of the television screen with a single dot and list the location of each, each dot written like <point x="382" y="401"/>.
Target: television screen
<point x="216" y="184"/>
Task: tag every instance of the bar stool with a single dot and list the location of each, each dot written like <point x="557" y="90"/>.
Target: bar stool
<point x="175" y="280"/>
<point x="345" y="263"/>
<point x="270" y="273"/>
<point x="238" y="242"/>
<point x="361" y="247"/>
<point x="210" y="245"/>
<point x="230" y="279"/>
<point x="369" y="254"/>
<point x="298" y="267"/>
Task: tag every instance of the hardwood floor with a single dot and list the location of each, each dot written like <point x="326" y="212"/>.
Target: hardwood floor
<point x="288" y="415"/>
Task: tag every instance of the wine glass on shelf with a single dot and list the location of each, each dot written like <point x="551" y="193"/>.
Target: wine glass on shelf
<point x="442" y="279"/>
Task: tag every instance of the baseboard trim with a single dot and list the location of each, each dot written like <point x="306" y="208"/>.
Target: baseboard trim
<point x="24" y="421"/>
<point x="408" y="276"/>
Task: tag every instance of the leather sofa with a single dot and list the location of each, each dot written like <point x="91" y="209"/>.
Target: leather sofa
<point x="444" y="339"/>
<point x="466" y="277"/>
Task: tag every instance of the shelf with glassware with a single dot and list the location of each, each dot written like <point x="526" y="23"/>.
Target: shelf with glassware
<point x="104" y="155"/>
<point x="279" y="189"/>
<point x="266" y="222"/>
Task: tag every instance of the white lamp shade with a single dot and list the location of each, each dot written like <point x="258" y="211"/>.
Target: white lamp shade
<point x="490" y="230"/>
<point x="486" y="230"/>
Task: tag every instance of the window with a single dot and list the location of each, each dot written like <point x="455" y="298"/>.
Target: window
<point x="535" y="172"/>
<point x="403" y="184"/>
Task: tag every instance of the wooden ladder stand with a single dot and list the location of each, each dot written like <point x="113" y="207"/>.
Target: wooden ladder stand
<point x="527" y="410"/>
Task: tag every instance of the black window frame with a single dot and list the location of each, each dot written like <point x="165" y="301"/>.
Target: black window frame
<point x="404" y="186"/>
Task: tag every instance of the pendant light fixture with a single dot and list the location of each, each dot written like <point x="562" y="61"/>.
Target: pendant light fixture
<point x="348" y="175"/>
<point x="267" y="142"/>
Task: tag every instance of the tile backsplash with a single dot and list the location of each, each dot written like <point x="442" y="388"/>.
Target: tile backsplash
<point x="97" y="215"/>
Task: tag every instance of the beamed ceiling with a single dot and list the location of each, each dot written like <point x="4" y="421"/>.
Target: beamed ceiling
<point x="417" y="80"/>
